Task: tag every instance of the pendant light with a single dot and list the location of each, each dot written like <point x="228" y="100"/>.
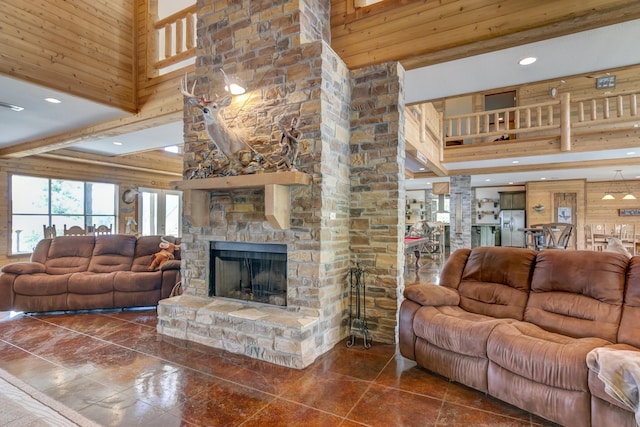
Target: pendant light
<point x="608" y="195"/>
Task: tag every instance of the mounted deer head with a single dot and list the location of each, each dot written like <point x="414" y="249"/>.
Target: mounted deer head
<point x="226" y="139"/>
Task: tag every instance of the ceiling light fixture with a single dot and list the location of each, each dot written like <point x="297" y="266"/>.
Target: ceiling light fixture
<point x="117" y="143"/>
<point x="53" y="100"/>
<point x="528" y="60"/>
<point x="609" y="194"/>
<point x="11" y="107"/>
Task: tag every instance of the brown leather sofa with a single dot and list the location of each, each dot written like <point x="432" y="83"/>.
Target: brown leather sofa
<point x="518" y="325"/>
<point x="88" y="272"/>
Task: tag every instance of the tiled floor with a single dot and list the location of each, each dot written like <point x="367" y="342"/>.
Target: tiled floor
<point x="113" y="368"/>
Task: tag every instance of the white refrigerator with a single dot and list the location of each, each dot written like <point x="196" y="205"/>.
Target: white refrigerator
<point x="511" y="225"/>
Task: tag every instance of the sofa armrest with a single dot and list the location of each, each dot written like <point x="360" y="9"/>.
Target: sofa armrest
<point x="23" y="268"/>
<point x="173" y="264"/>
<point x="432" y="295"/>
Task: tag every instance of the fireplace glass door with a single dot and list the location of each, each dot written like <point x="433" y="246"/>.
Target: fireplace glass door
<point x="249" y="271"/>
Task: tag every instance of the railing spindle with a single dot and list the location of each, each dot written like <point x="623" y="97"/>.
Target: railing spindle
<point x="191" y="24"/>
<point x="581" y="111"/>
<point x="620" y="106"/>
<point x="179" y="36"/>
<point x="168" y="39"/>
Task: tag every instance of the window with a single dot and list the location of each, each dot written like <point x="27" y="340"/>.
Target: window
<point x="38" y="202"/>
<point x="160" y="212"/>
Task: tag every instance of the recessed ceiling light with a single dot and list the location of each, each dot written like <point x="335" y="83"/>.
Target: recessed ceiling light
<point x="515" y="162"/>
<point x="487" y="180"/>
<point x="53" y="100"/>
<point x="117" y="143"/>
<point x="510" y="182"/>
<point x="421" y="169"/>
<point x="543" y="178"/>
<point x="631" y="153"/>
<point x="528" y="60"/>
<point x="172" y="149"/>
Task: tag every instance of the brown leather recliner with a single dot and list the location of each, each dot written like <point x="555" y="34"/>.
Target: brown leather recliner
<point x="518" y="324"/>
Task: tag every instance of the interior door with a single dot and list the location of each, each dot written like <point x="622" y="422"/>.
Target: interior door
<point x="566" y="205"/>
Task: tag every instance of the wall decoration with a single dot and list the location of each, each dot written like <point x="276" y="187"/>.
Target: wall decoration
<point x="629" y="212"/>
<point x="234" y="155"/>
<point x="564" y="215"/>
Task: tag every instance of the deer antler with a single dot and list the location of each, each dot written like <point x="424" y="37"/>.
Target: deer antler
<point x="193" y="99"/>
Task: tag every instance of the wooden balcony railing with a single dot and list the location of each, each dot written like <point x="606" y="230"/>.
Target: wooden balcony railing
<point x="548" y="119"/>
<point x="178" y="34"/>
<point x="496" y="123"/>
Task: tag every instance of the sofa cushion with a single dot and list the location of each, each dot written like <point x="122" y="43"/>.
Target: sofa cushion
<point x="542" y="356"/>
<point x="432" y="295"/>
<point x="130" y="281"/>
<point x="578" y="293"/>
<point x="112" y="252"/>
<point x="496" y="281"/>
<point x="629" y="330"/>
<point x="87" y="283"/>
<point x="69" y="254"/>
<point x="454" y="329"/>
<point x="452" y="270"/>
<point x="40" y="284"/>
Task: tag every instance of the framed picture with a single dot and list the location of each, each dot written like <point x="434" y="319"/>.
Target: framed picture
<point x="564" y="215"/>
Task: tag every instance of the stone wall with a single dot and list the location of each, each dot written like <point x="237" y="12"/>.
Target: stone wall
<point x="377" y="191"/>
<point x="351" y="128"/>
<point x="461" y="221"/>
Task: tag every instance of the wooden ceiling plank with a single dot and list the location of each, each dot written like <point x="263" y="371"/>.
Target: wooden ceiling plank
<point x="31" y="27"/>
<point x="120" y="92"/>
<point x="364" y="48"/>
<point x="424" y="11"/>
<point x="59" y="20"/>
<point x="558" y="29"/>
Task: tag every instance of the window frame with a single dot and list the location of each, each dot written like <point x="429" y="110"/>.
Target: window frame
<point x="50" y="214"/>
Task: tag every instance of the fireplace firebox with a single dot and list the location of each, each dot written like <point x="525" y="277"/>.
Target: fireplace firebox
<point x="249" y="271"/>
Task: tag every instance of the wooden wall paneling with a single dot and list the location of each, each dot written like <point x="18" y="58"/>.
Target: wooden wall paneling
<point x="608" y="211"/>
<point x="86" y="49"/>
<point x="543" y="193"/>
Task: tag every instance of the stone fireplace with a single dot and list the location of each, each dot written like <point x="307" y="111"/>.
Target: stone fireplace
<point x="341" y="203"/>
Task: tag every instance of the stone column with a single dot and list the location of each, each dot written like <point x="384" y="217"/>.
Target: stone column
<point x="460" y="212"/>
<point x="377" y="202"/>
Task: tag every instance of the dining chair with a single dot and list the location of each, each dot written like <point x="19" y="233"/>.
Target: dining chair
<point x="102" y="229"/>
<point x="74" y="230"/>
<point x="49" y="231"/>
<point x="557" y="235"/>
<point x="628" y="237"/>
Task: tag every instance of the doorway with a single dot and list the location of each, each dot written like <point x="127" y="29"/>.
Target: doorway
<point x="160" y="212"/>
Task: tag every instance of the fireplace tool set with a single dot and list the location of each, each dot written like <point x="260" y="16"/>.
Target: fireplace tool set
<point x="357" y="314"/>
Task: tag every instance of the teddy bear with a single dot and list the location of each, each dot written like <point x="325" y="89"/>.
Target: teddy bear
<point x="167" y="249"/>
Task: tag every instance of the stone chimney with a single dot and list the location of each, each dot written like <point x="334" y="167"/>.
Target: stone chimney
<point x="352" y="147"/>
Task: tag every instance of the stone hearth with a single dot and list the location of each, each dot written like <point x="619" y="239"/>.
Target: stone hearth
<point x="261" y="332"/>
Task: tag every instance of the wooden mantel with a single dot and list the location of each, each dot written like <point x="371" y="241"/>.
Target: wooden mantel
<point x="277" y="203"/>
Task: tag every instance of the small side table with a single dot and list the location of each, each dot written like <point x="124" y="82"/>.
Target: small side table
<point x="358" y="314"/>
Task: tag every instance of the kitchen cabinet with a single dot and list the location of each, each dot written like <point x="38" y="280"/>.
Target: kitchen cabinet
<point x="510" y="200"/>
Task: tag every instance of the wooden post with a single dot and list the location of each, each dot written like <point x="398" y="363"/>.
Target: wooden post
<point x="565" y="122"/>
